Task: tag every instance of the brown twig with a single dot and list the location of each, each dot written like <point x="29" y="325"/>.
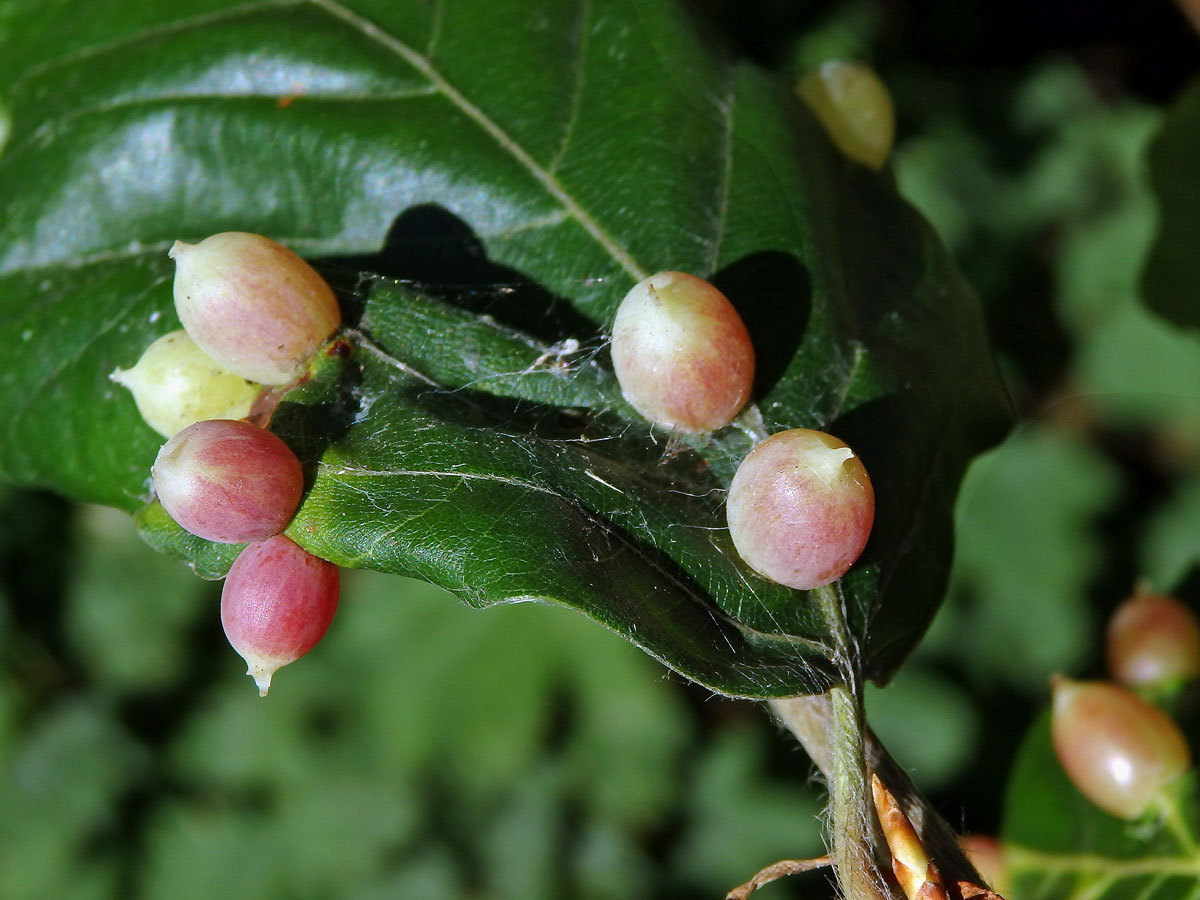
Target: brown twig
<point x="774" y="872"/>
<point x="916" y="873"/>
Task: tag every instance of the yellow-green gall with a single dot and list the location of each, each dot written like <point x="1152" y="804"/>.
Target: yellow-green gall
<point x="853" y="104"/>
<point x="176" y="384"/>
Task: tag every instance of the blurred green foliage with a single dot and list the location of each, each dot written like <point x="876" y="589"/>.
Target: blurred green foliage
<point x="427" y="750"/>
<point x="1173" y="269"/>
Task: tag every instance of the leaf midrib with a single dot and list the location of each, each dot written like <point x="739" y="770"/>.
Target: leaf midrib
<point x="544" y="177"/>
<point x="424" y="65"/>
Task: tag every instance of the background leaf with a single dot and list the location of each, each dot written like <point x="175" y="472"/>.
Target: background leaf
<point x="1060" y="845"/>
<point x="563" y="150"/>
<point x="1172" y="270"/>
<point x="515" y="752"/>
<point x="1029" y="515"/>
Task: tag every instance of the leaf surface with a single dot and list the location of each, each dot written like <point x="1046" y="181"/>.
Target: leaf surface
<point x="500" y="174"/>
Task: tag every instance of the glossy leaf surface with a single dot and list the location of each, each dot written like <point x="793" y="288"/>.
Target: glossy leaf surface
<point x="508" y="170"/>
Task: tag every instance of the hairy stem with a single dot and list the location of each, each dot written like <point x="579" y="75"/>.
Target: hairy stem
<point x="808" y="718"/>
<point x="852" y="821"/>
<point x="832" y="729"/>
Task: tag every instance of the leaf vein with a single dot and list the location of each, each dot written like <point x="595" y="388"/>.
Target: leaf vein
<point x="302" y="245"/>
<point x="1027" y="858"/>
<point x="581" y="52"/>
<point x="1152" y="886"/>
<point x="53" y="375"/>
<point x="342" y="471"/>
<point x="176" y="27"/>
<point x="723" y="183"/>
<point x="435" y="30"/>
<point x="860" y="354"/>
<point x="490" y="127"/>
<point x="49" y="127"/>
<point x="550" y="221"/>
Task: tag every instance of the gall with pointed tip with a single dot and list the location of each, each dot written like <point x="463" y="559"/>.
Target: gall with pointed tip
<point x="681" y="353"/>
<point x="253" y="305"/>
<point x="176" y="384"/>
<point x="854" y="106"/>
<point x="277" y="603"/>
<point x="228" y="481"/>
<point x="800" y="508"/>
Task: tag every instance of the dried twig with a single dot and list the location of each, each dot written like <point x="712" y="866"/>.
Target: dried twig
<point x="776" y="871"/>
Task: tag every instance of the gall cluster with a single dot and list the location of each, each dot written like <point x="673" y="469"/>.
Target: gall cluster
<point x="801" y="506"/>
<point x="254" y="313"/>
<point x="1113" y="739"/>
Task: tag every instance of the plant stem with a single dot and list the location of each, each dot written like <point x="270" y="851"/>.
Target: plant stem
<point x="1175" y="822"/>
<point x="809" y="717"/>
<point x="832" y="729"/>
<point x="851" y="820"/>
<point x="852" y="817"/>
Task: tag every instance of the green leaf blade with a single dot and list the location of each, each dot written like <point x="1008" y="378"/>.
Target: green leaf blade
<point x="479" y="439"/>
<point x="68" y="426"/>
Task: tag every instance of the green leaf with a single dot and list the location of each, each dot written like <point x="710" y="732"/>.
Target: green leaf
<point x="739" y="821"/>
<point x="383" y="725"/>
<point x="130" y="639"/>
<point x="1058" y="844"/>
<point x="1028" y="544"/>
<point x="1170" y="546"/>
<point x="927" y="722"/>
<point x="54" y="811"/>
<point x="501" y="174"/>
<point x="1172" y="273"/>
<point x="160" y="531"/>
